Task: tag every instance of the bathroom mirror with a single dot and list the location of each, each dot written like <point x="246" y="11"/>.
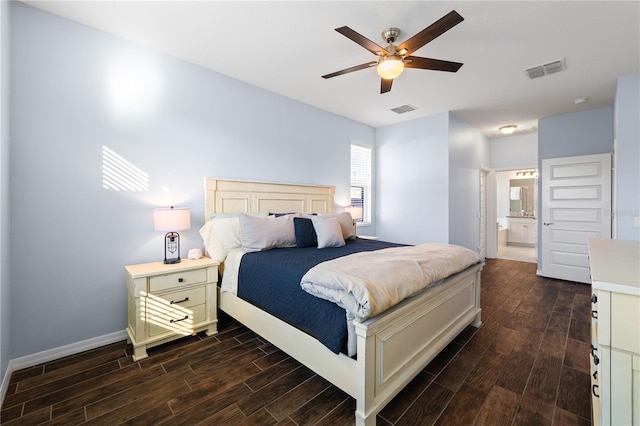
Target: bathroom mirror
<point x="522" y="194"/>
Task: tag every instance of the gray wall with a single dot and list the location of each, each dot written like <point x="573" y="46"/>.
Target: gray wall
<point x="579" y="133"/>
<point x="428" y="180"/>
<point x="468" y="153"/>
<point x="515" y="151"/>
<point x="627" y="157"/>
<point x="412" y="170"/>
<point x="70" y="236"/>
<point x="5" y="311"/>
<point x="567" y="135"/>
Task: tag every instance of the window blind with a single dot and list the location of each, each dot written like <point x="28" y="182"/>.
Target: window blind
<point x="361" y="181"/>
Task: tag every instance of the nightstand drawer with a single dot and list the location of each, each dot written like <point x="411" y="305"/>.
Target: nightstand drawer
<point x="183" y="298"/>
<point x="178" y="320"/>
<point x="163" y="282"/>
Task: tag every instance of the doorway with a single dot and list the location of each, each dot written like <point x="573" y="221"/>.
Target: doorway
<point x="516" y="214"/>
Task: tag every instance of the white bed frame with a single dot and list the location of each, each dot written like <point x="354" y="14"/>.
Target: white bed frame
<point x="393" y="347"/>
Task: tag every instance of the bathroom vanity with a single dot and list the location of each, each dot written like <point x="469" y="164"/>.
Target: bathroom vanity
<point x="523" y="231"/>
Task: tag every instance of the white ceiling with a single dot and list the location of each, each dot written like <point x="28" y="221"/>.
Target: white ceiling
<point x="286" y="46"/>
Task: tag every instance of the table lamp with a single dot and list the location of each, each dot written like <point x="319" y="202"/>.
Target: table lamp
<point x="171" y="219"/>
<point x="355" y="211"/>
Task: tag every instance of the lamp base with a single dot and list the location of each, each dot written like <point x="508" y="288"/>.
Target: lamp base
<point x="172" y="246"/>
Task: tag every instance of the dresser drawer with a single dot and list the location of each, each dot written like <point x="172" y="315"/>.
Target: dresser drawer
<point x="163" y="282"/>
<point x="625" y="317"/>
<point x="179" y="321"/>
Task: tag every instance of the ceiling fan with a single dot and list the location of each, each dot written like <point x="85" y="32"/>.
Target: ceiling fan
<point x="393" y="59"/>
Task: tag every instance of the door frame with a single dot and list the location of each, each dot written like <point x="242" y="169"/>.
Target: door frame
<point x="492" y="204"/>
<point x="491" y="242"/>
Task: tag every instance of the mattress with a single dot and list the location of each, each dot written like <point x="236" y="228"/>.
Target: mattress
<point x="270" y="280"/>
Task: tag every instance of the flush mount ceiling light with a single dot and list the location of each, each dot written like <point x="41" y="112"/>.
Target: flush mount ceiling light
<point x="507" y="130"/>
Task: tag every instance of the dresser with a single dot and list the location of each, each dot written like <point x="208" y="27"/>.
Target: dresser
<point x="166" y="302"/>
<point x="615" y="331"/>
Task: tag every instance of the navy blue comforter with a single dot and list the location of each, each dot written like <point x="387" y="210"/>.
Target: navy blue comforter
<point x="270" y="280"/>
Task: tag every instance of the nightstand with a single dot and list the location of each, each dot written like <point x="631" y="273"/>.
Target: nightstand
<point x="166" y="302"/>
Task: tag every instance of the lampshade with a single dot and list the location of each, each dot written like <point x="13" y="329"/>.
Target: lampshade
<point x="356" y="212"/>
<point x="507" y="130"/>
<point x="171" y="219"/>
<point x="390" y="66"/>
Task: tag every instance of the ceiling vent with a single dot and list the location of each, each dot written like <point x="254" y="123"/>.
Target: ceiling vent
<point x="404" y="108"/>
<point x="546" y="69"/>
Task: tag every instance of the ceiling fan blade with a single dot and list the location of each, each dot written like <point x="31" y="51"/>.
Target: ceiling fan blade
<point x="351" y="69"/>
<point x="385" y="85"/>
<point x="434" y="30"/>
<point x="361" y="40"/>
<point x="431" y="64"/>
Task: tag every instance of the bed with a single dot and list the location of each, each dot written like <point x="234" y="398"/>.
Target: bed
<point x="392" y="347"/>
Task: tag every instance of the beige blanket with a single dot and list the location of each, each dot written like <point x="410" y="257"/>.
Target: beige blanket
<point x="368" y="283"/>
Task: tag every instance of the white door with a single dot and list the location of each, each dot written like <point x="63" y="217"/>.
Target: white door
<point x="483" y="214"/>
<point x="576" y="206"/>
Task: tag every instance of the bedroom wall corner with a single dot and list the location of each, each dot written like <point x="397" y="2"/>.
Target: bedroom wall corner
<point x="412" y="171"/>
<point x="468" y="154"/>
<point x="627" y="158"/>
<point x="5" y="276"/>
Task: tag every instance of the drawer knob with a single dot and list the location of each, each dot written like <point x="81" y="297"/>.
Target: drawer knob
<point x="594" y="298"/>
<point x="180" y="280"/>
<point x="593" y="390"/>
<point x="594" y="314"/>
<point x="178" y="320"/>
<point x="173" y="302"/>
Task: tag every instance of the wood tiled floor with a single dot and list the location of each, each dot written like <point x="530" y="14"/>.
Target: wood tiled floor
<point x="527" y="364"/>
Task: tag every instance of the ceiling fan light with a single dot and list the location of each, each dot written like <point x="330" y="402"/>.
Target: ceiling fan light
<point x="507" y="130"/>
<point x="390" y="67"/>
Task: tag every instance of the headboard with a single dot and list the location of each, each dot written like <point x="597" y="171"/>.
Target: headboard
<point x="232" y="196"/>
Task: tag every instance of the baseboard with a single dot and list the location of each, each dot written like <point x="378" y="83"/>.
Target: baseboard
<point x="56" y="353"/>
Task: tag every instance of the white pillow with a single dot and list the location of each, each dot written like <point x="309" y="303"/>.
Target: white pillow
<point x="220" y="236"/>
<point x="328" y="231"/>
<point x="346" y="224"/>
<point x="264" y="233"/>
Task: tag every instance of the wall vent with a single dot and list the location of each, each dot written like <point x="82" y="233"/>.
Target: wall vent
<point x="546" y="69"/>
<point x="404" y="108"/>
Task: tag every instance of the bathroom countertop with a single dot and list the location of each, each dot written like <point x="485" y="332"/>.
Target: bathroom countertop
<point x="523" y="217"/>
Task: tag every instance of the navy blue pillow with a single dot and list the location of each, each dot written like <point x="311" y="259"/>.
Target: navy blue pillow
<point x="305" y="234"/>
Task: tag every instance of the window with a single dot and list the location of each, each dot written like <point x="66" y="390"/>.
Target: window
<point x="361" y="181"/>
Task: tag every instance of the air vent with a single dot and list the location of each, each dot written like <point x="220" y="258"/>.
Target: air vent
<point x="546" y="69"/>
<point x="404" y="108"/>
<point x="535" y="72"/>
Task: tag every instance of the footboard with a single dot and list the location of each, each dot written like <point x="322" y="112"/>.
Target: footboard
<point x="393" y="348"/>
